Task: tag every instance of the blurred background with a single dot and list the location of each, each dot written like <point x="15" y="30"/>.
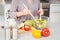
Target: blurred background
<point x="51" y="9"/>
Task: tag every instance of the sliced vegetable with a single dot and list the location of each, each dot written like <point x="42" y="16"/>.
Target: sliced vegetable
<point x="28" y="22"/>
<point x="43" y="23"/>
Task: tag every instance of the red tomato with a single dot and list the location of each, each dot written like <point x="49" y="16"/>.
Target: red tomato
<point x="27" y="28"/>
<point x="45" y="32"/>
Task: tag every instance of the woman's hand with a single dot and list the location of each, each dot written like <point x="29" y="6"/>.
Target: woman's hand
<point x="26" y="12"/>
<point x="23" y="12"/>
<point x="18" y="14"/>
<point x="41" y="12"/>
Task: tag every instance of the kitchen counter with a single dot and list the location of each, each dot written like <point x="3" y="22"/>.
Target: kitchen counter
<point x="54" y="28"/>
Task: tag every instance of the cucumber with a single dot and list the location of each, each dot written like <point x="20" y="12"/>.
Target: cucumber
<point x="28" y="22"/>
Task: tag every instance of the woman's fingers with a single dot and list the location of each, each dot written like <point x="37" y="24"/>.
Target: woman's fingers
<point x="26" y="12"/>
<point x="41" y="11"/>
<point x="19" y="14"/>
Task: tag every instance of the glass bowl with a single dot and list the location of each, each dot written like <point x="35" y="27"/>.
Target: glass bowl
<point x="42" y="23"/>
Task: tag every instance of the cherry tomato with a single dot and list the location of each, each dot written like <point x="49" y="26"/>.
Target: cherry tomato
<point x="27" y="27"/>
<point x="45" y="32"/>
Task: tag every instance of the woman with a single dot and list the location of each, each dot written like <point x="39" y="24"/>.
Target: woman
<point x="18" y="9"/>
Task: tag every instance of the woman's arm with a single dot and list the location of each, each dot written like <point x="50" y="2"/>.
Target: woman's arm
<point x="40" y="10"/>
<point x="14" y="9"/>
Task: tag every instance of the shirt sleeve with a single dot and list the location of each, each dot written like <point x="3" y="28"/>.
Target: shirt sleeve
<point x="14" y="8"/>
<point x="38" y="4"/>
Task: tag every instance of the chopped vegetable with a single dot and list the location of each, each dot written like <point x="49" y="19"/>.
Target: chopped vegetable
<point x="43" y="23"/>
<point x="28" y="22"/>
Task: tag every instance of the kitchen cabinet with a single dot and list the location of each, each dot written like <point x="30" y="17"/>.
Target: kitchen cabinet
<point x="55" y="8"/>
<point x="54" y="17"/>
<point x="1" y="7"/>
<point x="2" y="13"/>
<point x="54" y="12"/>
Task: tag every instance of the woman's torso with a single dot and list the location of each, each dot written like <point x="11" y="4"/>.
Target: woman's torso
<point x="33" y="7"/>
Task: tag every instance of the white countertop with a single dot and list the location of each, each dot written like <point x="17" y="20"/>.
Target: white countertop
<point x="54" y="28"/>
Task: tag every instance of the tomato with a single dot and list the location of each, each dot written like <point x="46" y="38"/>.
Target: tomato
<point x="36" y="34"/>
<point x="27" y="27"/>
<point x="45" y="32"/>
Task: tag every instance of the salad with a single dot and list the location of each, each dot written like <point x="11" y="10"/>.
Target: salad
<point x="43" y="23"/>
